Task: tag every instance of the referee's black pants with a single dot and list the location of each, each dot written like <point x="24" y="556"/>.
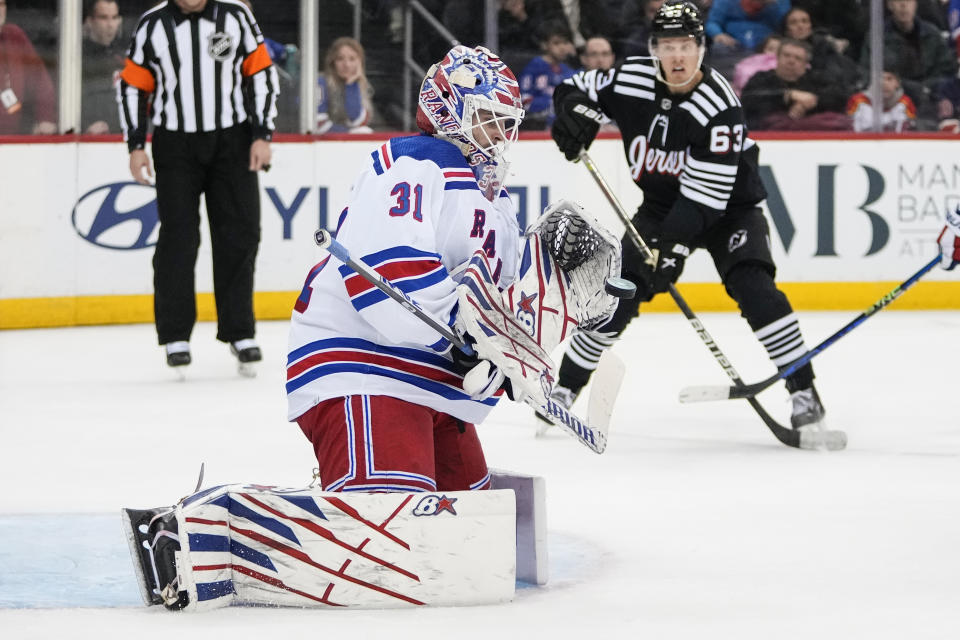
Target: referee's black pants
<point x="215" y="164"/>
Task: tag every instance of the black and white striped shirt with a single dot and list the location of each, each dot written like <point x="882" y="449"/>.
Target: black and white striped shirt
<point x="205" y="71"/>
<point x="689" y="151"/>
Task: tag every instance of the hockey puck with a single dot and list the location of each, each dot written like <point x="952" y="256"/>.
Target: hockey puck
<point x="620" y="287"/>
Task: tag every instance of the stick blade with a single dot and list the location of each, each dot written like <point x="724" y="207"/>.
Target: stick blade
<point x="704" y="393"/>
<point x="823" y="440"/>
<point x="607" y="380"/>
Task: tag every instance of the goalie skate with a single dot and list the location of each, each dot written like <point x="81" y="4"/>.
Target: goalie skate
<point x="153" y="541"/>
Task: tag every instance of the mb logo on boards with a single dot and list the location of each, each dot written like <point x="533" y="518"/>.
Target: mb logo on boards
<point x="826" y="211"/>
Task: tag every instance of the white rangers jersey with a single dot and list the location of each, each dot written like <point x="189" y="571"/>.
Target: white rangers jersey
<point x="416" y="214"/>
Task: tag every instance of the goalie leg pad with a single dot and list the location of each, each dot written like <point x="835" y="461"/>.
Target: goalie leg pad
<point x="249" y="544"/>
<point x="531" y="492"/>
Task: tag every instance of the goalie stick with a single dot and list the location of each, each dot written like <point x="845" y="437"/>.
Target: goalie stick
<point x="592" y="435"/>
<point x="708" y="393"/>
<point x="806" y="439"/>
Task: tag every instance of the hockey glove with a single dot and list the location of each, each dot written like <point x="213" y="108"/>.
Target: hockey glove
<point x="578" y="120"/>
<point x="666" y="266"/>
<point x="949" y="240"/>
<point x="481" y="378"/>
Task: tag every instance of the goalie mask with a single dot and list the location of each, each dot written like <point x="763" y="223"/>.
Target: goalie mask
<point x="472" y="99"/>
<point x="676" y="20"/>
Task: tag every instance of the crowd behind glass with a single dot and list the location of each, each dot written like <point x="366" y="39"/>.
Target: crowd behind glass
<point x="797" y="64"/>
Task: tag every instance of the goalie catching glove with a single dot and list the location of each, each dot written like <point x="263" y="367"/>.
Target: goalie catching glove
<point x="564" y="264"/>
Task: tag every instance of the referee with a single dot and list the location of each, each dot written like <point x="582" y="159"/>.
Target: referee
<point x="201" y="70"/>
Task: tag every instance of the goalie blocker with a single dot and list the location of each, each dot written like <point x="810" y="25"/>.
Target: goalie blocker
<point x="568" y="265"/>
<point x="250" y="544"/>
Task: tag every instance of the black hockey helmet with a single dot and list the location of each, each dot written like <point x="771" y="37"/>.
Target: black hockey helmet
<point x="677" y="18"/>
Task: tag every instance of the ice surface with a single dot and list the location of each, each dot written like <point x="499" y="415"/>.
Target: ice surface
<point x="695" y="523"/>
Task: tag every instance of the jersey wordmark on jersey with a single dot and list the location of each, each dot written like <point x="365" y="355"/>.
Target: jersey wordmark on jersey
<point x="693" y="146"/>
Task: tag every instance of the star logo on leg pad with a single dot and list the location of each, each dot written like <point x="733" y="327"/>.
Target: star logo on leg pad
<point x="526" y="302"/>
<point x="446" y="504"/>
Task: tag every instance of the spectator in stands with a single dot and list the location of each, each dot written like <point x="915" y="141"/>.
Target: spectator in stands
<point x="899" y="113"/>
<point x="544" y="73"/>
<point x="287" y="64"/>
<point x="827" y="60"/>
<point x="917" y="50"/>
<point x="953" y="24"/>
<point x="846" y="21"/>
<point x="518" y="21"/>
<point x="27" y="98"/>
<point x="948" y="106"/>
<point x="586" y="18"/>
<point x="790" y="97"/>
<point x="344" y="93"/>
<point x="636" y="17"/>
<point x="741" y="25"/>
<point x="279" y="52"/>
<point x="104" y="51"/>
<point x="597" y="53"/>
<point x="764" y="60"/>
<point x="934" y="12"/>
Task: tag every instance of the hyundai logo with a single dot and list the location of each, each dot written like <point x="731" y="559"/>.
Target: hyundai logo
<point x="120" y="216"/>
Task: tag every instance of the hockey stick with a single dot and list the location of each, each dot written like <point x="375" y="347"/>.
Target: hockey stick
<point x="592" y="436"/>
<point x="831" y="440"/>
<point x="708" y="393"/>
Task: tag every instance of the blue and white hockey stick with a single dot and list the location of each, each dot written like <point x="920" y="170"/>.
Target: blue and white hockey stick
<point x="708" y="393"/>
<point x="593" y="436"/>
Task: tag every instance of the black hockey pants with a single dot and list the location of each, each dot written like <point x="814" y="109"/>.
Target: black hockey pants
<point x="214" y="164"/>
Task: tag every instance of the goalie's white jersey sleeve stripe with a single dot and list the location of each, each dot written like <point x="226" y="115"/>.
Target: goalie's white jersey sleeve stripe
<point x="415" y="214"/>
<point x="407" y="268"/>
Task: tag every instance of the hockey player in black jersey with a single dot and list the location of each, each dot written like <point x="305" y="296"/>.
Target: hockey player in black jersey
<point x="686" y="142"/>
